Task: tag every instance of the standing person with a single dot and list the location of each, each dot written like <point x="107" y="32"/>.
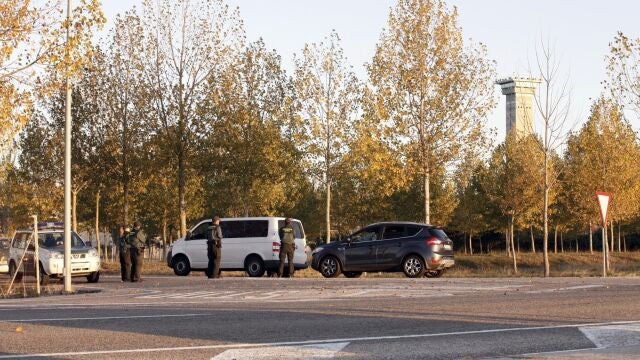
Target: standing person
<point x="287" y="247"/>
<point x="125" y="257"/>
<point x="214" y="249"/>
<point x="137" y="242"/>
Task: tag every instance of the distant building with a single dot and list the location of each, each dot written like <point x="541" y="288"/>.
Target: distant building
<point x="520" y="94"/>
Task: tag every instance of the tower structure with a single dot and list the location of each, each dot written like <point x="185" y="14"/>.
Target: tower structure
<point x="519" y="94"/>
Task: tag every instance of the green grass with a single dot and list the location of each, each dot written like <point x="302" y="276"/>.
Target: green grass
<point x="581" y="264"/>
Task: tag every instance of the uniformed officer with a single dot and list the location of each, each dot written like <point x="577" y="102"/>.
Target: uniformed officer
<point x="214" y="249"/>
<point x="123" y="249"/>
<point x="287" y="247"/>
<point x="137" y="242"/>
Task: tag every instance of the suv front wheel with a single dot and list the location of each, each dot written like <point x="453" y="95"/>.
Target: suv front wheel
<point x="330" y="267"/>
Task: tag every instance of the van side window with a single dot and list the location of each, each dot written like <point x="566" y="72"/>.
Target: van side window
<point x="200" y="232"/>
<point x="244" y="229"/>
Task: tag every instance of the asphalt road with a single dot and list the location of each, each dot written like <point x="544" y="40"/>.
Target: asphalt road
<point x="369" y="318"/>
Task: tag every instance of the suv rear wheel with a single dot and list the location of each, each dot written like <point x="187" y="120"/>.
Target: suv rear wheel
<point x="181" y="265"/>
<point x="254" y="266"/>
<point x="413" y="266"/>
<point x="330" y="267"/>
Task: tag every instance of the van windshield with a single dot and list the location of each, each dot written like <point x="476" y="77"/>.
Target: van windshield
<point x="297" y="228"/>
<point x="56" y="239"/>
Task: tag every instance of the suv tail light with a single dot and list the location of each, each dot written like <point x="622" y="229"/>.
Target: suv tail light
<point x="432" y="241"/>
<point x="275" y="246"/>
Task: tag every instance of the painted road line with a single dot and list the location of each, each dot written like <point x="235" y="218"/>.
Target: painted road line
<point x="613" y="335"/>
<point x="108" y="317"/>
<point x="319" y="341"/>
<point x="313" y="351"/>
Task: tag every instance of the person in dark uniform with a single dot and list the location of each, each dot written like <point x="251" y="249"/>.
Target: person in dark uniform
<point x="137" y="242"/>
<point x="287" y="247"/>
<point x="214" y="249"/>
<point x="123" y="249"/>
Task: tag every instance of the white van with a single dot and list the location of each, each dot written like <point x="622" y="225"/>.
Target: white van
<point x="251" y="244"/>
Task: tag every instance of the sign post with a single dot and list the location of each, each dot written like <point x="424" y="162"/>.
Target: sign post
<point x="603" y="201"/>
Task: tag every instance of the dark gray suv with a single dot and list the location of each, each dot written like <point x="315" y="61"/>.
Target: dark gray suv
<point x="415" y="249"/>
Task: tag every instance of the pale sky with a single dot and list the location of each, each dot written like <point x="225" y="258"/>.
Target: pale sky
<point x="580" y="30"/>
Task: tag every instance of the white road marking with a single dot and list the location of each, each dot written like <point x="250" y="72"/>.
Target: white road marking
<point x="313" y="351"/>
<point x="613" y="335"/>
<point x="318" y="341"/>
<point x="578" y="287"/>
<point x="107" y="317"/>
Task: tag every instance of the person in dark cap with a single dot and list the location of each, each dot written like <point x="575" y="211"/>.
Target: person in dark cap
<point x="214" y="249"/>
<point x="137" y="242"/>
<point x="123" y="250"/>
<point x="287" y="247"/>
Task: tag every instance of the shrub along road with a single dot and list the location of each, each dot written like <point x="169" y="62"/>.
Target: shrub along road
<point x="167" y="317"/>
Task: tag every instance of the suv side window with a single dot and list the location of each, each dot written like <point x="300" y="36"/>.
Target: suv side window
<point x="200" y="232"/>
<point x="413" y="230"/>
<point x="368" y="234"/>
<point x="393" y="232"/>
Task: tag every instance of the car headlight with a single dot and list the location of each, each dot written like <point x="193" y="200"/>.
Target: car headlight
<point x="56" y="255"/>
<point x="92" y="252"/>
<point x="317" y="250"/>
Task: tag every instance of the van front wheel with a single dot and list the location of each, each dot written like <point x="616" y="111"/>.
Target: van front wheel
<point x="254" y="266"/>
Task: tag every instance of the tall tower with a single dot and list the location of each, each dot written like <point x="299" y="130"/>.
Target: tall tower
<point x="520" y="103"/>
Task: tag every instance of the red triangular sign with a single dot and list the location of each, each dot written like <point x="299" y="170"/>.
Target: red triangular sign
<point x="603" y="200"/>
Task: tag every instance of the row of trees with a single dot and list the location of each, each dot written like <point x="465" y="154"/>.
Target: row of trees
<point x="177" y="117"/>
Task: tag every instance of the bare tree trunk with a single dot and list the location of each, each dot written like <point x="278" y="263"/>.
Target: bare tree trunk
<point x="555" y="239"/>
<point x="164" y="234"/>
<point x="518" y="241"/>
<point x="619" y="245"/>
<point x="470" y="244"/>
<point x="328" y="211"/>
<point x="561" y="241"/>
<point x="98" y="220"/>
<point x="125" y="200"/>
<point x="533" y="241"/>
<point x="613" y="238"/>
<point x="181" y="190"/>
<point x="513" y="250"/>
<point x="506" y="240"/>
<point x="464" y="241"/>
<point x="606" y="242"/>
<point x="106" y="247"/>
<point x="624" y="239"/>
<point x="577" y="243"/>
<point x="427" y="198"/>
<point x="74" y="220"/>
<point x="590" y="237"/>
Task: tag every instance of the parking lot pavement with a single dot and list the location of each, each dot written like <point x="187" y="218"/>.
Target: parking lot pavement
<point x="168" y="317"/>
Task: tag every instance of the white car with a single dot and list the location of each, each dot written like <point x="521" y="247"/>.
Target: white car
<point x="84" y="259"/>
<point x="4" y="255"/>
<point x="251" y="244"/>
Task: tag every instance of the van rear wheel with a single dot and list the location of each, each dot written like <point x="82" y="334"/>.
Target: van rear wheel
<point x="254" y="266"/>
